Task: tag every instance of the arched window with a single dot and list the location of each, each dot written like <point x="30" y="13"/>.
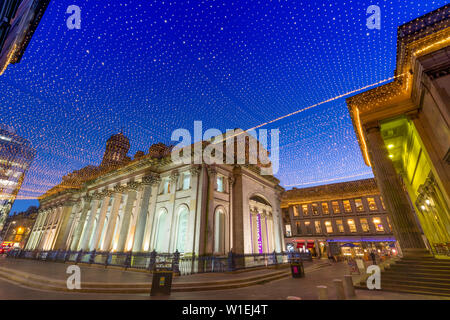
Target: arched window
<point x="161" y="231"/>
<point x="183" y="214"/>
<point x="219" y="231"/>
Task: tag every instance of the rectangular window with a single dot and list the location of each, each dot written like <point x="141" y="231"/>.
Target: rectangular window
<point x="318" y="226"/>
<point x="308" y="227"/>
<point x="220" y="184"/>
<point x="340" y="226"/>
<point x="378" y="225"/>
<point x="295" y="208"/>
<point x="328" y="226"/>
<point x="305" y="209"/>
<point x="288" y="230"/>
<point x="325" y="208"/>
<point x="389" y="223"/>
<point x="298" y="227"/>
<point x="372" y="204"/>
<point x="347" y="206"/>
<point x="166" y="186"/>
<point x="359" y="205"/>
<point x="315" y="209"/>
<point x="186" y="180"/>
<point x="336" y="208"/>
<point x="351" y="225"/>
<point x="364" y="225"/>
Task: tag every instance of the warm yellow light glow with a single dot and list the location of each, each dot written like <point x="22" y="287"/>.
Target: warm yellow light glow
<point x="391" y="156"/>
<point x="390" y="146"/>
<point x="376" y="220"/>
<point x="428" y="202"/>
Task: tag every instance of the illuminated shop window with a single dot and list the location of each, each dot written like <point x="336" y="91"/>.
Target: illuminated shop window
<point x="325" y="208"/>
<point x="351" y="225"/>
<point x="340" y="226"/>
<point x="372" y="204"/>
<point x="378" y="225"/>
<point x="328" y="226"/>
<point x="315" y="209"/>
<point x="364" y="225"/>
<point x="336" y="208"/>
<point x="305" y="209"/>
<point x="288" y="230"/>
<point x="347" y="206"/>
<point x="359" y="205"/>
<point x="318" y="226"/>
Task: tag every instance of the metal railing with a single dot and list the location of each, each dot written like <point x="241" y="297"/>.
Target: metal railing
<point x="182" y="264"/>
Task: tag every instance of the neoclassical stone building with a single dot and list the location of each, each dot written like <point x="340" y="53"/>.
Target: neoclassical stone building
<point x="152" y="203"/>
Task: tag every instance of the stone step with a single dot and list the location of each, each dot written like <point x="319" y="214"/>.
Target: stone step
<point x="416" y="277"/>
<point x="434" y="262"/>
<point x="403" y="269"/>
<point x="413" y="283"/>
<point x="416" y="290"/>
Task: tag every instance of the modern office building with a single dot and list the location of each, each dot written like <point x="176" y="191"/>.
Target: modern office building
<point x="18" y="22"/>
<point x="341" y="219"/>
<point x="16" y="156"/>
<point x="403" y="129"/>
<point x="154" y="203"/>
<point x="18" y="227"/>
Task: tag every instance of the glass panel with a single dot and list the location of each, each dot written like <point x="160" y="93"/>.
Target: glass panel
<point x="325" y="208"/>
<point x="359" y="205"/>
<point x="347" y="206"/>
<point x="378" y="225"/>
<point x="295" y="211"/>
<point x="315" y="209"/>
<point x="351" y="225"/>
<point x="336" y="208"/>
<point x="372" y="204"/>
<point x="364" y="225"/>
<point x="305" y="209"/>
<point x="318" y="226"/>
<point x="329" y="227"/>
<point x="340" y="226"/>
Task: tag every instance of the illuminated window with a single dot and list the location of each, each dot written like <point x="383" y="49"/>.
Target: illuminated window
<point x="328" y="226"/>
<point x="298" y="227"/>
<point x="351" y="225"/>
<point x="336" y="208"/>
<point x="340" y="226"/>
<point x="318" y="226"/>
<point x="382" y="203"/>
<point x="372" y="204"/>
<point x="325" y="208"/>
<point x="347" y="206"/>
<point x="378" y="225"/>
<point x="359" y="205"/>
<point x="305" y="209"/>
<point x="288" y="230"/>
<point x="220" y="186"/>
<point x="166" y="186"/>
<point x="295" y="211"/>
<point x="308" y="227"/>
<point x="315" y="209"/>
<point x="364" y="225"/>
<point x="186" y="180"/>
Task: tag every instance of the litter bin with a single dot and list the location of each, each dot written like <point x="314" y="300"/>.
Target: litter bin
<point x="297" y="269"/>
<point x="161" y="282"/>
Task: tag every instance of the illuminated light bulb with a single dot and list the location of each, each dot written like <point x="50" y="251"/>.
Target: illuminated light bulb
<point x="390" y="146"/>
<point x="422" y="207"/>
<point x="428" y="202"/>
<point x="391" y="156"/>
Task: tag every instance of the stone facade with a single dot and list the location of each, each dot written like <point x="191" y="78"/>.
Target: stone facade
<point x="341" y="213"/>
<point x="151" y="203"/>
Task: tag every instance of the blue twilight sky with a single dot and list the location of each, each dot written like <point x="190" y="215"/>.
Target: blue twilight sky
<point x="150" y="67"/>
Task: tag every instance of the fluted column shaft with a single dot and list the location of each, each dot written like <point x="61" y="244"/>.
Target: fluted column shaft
<point x="142" y="218"/>
<point x="86" y="236"/>
<point x="132" y="193"/>
<point x="406" y="229"/>
<point x="107" y="244"/>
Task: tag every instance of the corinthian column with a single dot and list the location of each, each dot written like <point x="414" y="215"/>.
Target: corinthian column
<point x="132" y="193"/>
<point x="406" y="229"/>
<point x="87" y="232"/>
<point x="148" y="182"/>
<point x="79" y="228"/>
<point x="118" y="191"/>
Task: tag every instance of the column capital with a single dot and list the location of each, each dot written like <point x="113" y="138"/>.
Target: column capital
<point x="133" y="186"/>
<point x="174" y="176"/>
<point x="212" y="171"/>
<point x="195" y="170"/>
<point x="119" y="188"/>
<point x="151" y="179"/>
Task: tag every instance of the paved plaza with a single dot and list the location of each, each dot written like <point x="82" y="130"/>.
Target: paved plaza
<point x="304" y="288"/>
